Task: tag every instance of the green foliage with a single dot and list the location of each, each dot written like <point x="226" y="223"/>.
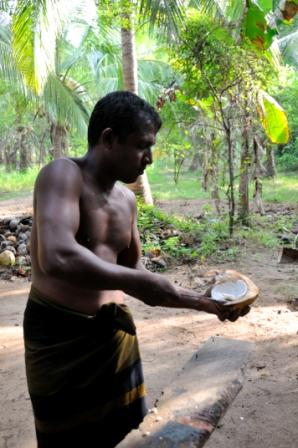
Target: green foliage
<point x="182" y="238"/>
<point x="16" y="182"/>
<point x="35" y="29"/>
<point x="288" y="161"/>
<point x="287" y="92"/>
<point x="282" y="189"/>
<point x="63" y="99"/>
<point x="186" y="239"/>
<point x="161" y="175"/>
<point x="273" y="119"/>
<point x="266" y="230"/>
<point x="256" y="25"/>
<point x="205" y="55"/>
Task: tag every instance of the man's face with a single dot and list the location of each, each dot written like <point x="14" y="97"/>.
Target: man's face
<point x="132" y="154"/>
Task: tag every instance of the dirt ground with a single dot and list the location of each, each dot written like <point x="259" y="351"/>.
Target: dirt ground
<point x="265" y="412"/>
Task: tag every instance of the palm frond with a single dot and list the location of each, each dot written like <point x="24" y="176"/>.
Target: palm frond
<point x="66" y="103"/>
<point x="109" y="76"/>
<point x="154" y="77"/>
<point x="8" y="69"/>
<point x="35" y="28"/>
<point x="167" y="15"/>
<point x="212" y="8"/>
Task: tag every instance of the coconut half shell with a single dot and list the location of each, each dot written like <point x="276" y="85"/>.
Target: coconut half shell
<point x="234" y="289"/>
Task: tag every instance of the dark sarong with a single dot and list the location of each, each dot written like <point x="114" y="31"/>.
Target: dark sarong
<point x="84" y="374"/>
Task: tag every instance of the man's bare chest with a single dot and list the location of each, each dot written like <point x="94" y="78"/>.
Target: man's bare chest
<point x="105" y="222"/>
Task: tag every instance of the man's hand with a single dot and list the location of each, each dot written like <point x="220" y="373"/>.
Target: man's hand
<point x="208" y="305"/>
<point x="223" y="312"/>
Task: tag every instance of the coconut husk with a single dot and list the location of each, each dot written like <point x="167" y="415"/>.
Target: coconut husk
<point x="231" y="275"/>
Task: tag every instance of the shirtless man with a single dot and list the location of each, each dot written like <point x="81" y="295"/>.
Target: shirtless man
<point x="83" y="365"/>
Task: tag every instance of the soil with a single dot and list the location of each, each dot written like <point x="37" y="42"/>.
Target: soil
<point x="265" y="412"/>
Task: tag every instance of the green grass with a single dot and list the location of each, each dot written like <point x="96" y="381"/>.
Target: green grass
<point x="161" y="178"/>
<point x="15" y="184"/>
<point x="281" y="189"/>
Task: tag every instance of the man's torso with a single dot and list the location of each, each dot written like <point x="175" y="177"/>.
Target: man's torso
<point x="105" y="229"/>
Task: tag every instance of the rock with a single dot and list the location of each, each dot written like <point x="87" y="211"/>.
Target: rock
<point x="12" y="239"/>
<point x="27" y="221"/>
<point x="22" y="249"/>
<point x="7" y="258"/>
<point x="23" y="236"/>
<point x="11" y="249"/>
<point x="24" y="227"/>
<point x="4" y="245"/>
<point x="286" y="238"/>
<point x="159" y="261"/>
<point x="13" y="224"/>
<point x="15" y="235"/>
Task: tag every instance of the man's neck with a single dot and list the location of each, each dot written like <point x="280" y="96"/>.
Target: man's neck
<point x="97" y="171"/>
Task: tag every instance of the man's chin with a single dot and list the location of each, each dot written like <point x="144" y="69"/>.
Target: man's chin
<point x="131" y="180"/>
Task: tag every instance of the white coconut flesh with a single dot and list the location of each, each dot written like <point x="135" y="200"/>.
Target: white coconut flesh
<point x="229" y="291"/>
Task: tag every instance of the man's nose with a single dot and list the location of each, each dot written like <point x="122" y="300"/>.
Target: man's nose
<point x="148" y="157"/>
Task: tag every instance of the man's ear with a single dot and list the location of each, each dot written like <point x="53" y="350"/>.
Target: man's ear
<point x="107" y="137"/>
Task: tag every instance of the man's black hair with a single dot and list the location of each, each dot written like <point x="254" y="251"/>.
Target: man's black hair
<point x="123" y="112"/>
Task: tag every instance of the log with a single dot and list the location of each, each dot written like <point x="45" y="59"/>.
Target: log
<point x="190" y="408"/>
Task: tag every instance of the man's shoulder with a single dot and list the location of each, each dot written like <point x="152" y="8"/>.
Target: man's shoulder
<point x="59" y="175"/>
<point x="62" y="167"/>
<point x="61" y="163"/>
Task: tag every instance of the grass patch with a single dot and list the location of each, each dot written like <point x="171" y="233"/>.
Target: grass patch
<point x="267" y="230"/>
<point x="16" y="182"/>
<point x="161" y="178"/>
<point x="183" y="239"/>
<point x="281" y="189"/>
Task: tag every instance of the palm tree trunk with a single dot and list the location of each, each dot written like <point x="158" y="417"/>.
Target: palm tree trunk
<point x="130" y="79"/>
<point x="258" y="170"/>
<point x="195" y="162"/>
<point x="129" y="60"/>
<point x="23" y="149"/>
<point x="214" y="159"/>
<point x="59" y="140"/>
<point x="231" y="193"/>
<point x="270" y="161"/>
<point x="244" y="174"/>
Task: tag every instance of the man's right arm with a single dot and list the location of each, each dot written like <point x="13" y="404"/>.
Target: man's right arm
<point x="57" y="219"/>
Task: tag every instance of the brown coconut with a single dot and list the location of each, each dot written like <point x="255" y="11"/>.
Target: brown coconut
<point x="231" y="275"/>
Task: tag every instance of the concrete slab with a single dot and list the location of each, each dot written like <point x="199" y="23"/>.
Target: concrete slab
<point x="189" y="409"/>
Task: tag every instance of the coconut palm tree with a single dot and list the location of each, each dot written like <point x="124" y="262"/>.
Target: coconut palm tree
<point x="63" y="100"/>
<point x="38" y="23"/>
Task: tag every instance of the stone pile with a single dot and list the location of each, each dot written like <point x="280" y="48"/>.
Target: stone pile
<point x="15" y="246"/>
